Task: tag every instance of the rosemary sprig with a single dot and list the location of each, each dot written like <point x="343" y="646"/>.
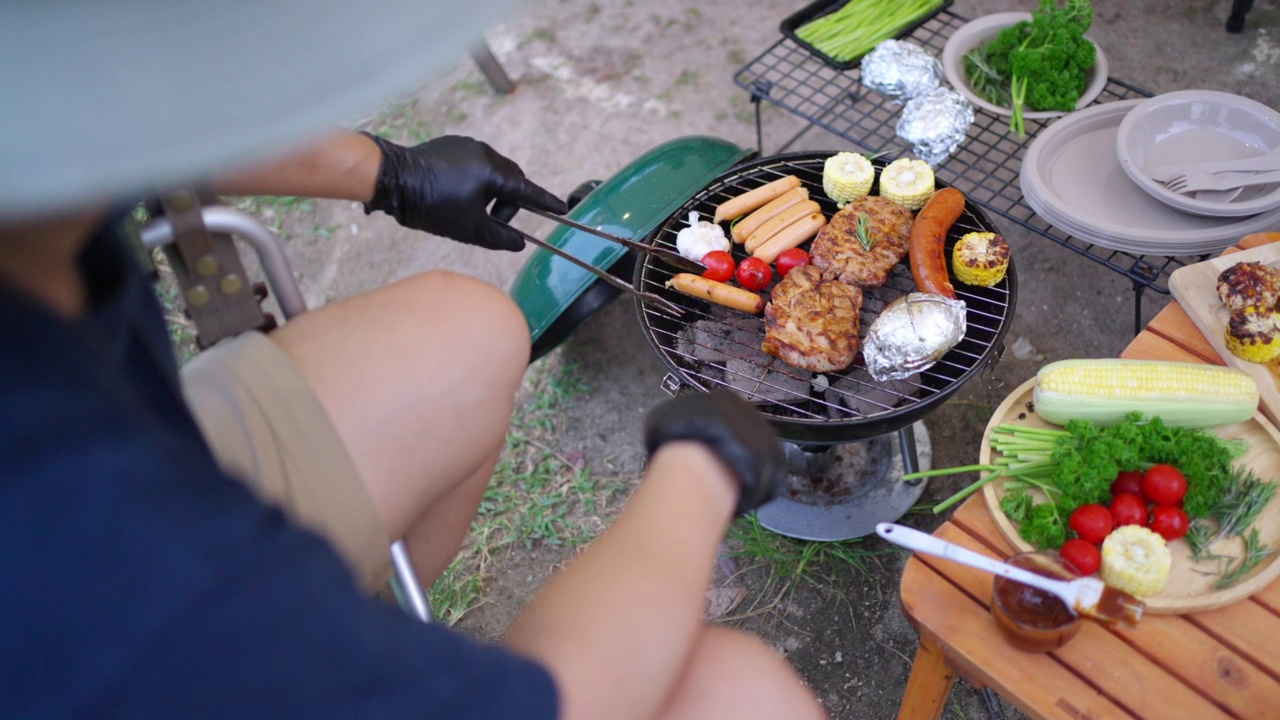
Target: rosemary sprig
<point x="1243" y="499"/>
<point x="1199" y="536"/>
<point x="989" y="84"/>
<point x="863" y="231"/>
<point x="1254" y="553"/>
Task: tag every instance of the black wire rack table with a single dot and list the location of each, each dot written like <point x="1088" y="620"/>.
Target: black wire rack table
<point x="985" y="167"/>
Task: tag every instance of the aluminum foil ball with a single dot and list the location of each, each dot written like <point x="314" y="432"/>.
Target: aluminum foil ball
<point x="911" y="334"/>
<point x="900" y="70"/>
<point x="935" y="123"/>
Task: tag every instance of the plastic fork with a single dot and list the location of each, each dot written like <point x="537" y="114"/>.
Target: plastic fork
<point x="1194" y="180"/>
<point x="1087" y="595"/>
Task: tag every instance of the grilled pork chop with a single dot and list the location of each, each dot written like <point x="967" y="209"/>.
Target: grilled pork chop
<point x="839" y="254"/>
<point x="812" y="322"/>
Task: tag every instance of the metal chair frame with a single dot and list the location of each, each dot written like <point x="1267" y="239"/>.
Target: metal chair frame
<point x="222" y="220"/>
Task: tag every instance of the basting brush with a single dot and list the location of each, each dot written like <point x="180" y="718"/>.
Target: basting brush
<point x="1088" y="596"/>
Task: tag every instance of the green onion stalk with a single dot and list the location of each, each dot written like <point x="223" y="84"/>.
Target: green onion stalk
<point x="1024" y="457"/>
<point x="858" y="26"/>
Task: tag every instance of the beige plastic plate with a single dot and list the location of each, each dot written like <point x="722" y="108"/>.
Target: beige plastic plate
<point x="1190" y="586"/>
<point x="1192" y="126"/>
<point x="1072" y="176"/>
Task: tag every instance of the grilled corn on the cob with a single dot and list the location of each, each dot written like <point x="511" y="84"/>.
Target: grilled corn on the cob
<point x="847" y="176"/>
<point x="1136" y="560"/>
<point x="907" y="182"/>
<point x="980" y="258"/>
<point x="1105" y="390"/>
<point x="1253" y="334"/>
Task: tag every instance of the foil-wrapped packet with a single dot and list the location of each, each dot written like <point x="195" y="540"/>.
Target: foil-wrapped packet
<point x="901" y="70"/>
<point x="911" y="334"/>
<point x="935" y="123"/>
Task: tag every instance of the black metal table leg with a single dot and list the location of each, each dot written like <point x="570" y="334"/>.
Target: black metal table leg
<point x="1138" y="289"/>
<point x="1239" y="8"/>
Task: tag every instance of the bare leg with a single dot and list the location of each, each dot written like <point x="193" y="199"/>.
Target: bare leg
<point x="419" y="378"/>
<point x="733" y="674"/>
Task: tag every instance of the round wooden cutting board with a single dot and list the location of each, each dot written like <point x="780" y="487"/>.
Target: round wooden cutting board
<point x="1190" y="586"/>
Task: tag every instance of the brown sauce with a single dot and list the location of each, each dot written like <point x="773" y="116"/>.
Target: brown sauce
<point x="1034" y="607"/>
<point x="1029" y="618"/>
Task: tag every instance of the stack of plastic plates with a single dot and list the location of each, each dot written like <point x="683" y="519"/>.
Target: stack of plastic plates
<point x="1072" y="176"/>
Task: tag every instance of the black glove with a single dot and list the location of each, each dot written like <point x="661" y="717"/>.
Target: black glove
<point x="444" y="187"/>
<point x="736" y="432"/>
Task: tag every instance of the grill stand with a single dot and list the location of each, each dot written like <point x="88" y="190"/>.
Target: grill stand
<point x="866" y="474"/>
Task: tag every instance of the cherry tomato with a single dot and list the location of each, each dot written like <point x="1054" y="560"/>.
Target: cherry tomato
<point x="1169" y="521"/>
<point x="720" y="266"/>
<point x="754" y="274"/>
<point x="1083" y="556"/>
<point x="1128" y="481"/>
<point x="1164" y="485"/>
<point x="791" y="259"/>
<point x="1091" y="522"/>
<point x="1128" y="509"/>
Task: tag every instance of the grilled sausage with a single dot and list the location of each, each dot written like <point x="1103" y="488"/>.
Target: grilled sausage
<point x="749" y="224"/>
<point x="748" y="201"/>
<point x="793" y="235"/>
<point x="717" y="292"/>
<point x="780" y="221"/>
<point x="927" y="247"/>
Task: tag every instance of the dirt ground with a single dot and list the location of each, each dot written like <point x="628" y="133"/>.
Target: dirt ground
<point x="597" y="84"/>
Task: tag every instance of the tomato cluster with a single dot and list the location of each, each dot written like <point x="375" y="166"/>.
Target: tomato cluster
<point x="1152" y="499"/>
<point x="752" y="273"/>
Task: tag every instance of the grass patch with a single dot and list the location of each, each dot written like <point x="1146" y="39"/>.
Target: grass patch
<point x="401" y="122"/>
<point x="538" y="496"/>
<point x="787" y="562"/>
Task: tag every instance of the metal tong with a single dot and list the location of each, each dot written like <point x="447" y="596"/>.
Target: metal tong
<point x="647" y="297"/>
<point x="673" y="259"/>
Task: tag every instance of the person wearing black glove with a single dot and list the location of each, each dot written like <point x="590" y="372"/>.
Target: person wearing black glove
<point x="444" y="187"/>
<point x="622" y="627"/>
<point x="734" y="431"/>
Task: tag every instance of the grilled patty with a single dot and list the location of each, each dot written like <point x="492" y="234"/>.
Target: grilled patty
<point x="839" y="254"/>
<point x="1248" y="284"/>
<point x="811" y="322"/>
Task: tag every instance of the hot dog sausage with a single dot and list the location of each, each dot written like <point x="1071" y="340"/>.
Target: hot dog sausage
<point x="927" y="247"/>
<point x="749" y="224"/>
<point x="717" y="292"/>
<point x="748" y="201"/>
<point x="782" y="220"/>
<point x="793" y="235"/>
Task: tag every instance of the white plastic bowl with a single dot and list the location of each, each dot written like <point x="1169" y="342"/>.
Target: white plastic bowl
<point x="977" y="32"/>
<point x="1199" y="126"/>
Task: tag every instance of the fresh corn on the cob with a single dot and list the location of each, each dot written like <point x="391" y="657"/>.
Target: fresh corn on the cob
<point x="847" y="176"/>
<point x="907" y="182"/>
<point x="980" y="258"/>
<point x="1136" y="560"/>
<point x="1253" y="334"/>
<point x="1182" y="394"/>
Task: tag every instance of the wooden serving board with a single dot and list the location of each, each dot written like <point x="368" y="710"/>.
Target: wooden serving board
<point x="1190" y="586"/>
<point x="1195" y="288"/>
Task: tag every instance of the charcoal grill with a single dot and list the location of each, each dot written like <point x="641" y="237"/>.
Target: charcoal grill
<point x="815" y="414"/>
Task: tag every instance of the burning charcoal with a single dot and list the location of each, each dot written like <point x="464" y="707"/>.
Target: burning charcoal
<point x="867" y="397"/>
<point x="710" y="340"/>
<point x="754" y="379"/>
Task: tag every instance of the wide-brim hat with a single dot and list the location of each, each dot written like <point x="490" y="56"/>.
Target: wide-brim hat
<point x="108" y="99"/>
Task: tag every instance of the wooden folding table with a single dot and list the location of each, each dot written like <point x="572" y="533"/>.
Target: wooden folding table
<point x="1222" y="663"/>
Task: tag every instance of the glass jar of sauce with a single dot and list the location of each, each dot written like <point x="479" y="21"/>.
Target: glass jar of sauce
<point x="1032" y="619"/>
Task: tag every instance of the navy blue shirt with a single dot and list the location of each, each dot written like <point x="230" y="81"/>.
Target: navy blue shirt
<point x="137" y="579"/>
